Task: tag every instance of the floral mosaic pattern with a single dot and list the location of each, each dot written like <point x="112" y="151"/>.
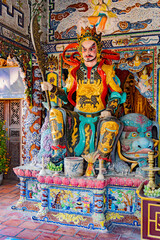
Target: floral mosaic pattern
<point x="33" y="191"/>
<point x="71" y="200"/>
<point x="121" y="200"/>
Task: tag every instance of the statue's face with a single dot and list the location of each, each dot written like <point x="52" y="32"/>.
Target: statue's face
<point x="100" y="1"/>
<point x="89" y="51"/>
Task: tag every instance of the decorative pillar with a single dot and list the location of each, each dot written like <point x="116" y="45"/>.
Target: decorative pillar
<point x="22" y="191"/>
<point x="23" y="188"/>
<point x="44" y="201"/>
<point x="22" y="199"/>
<point x="98" y="215"/>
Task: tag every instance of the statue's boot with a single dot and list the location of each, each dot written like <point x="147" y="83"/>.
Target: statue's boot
<point x="109" y="129"/>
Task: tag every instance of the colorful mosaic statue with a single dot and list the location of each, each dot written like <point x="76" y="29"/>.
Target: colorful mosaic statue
<point x="139" y="136"/>
<point x="94" y="90"/>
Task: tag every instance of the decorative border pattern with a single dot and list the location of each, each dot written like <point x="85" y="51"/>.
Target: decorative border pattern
<point x="12" y="13"/>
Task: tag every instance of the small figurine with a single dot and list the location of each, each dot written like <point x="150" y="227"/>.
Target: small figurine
<point x="42" y="172"/>
<point x="101" y="168"/>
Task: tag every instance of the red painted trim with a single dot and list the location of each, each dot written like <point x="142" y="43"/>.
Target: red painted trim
<point x="103" y="77"/>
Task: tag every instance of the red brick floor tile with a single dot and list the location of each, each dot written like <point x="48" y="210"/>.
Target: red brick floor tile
<point x="107" y="236"/>
<point x="10" y="231"/>
<point x="2" y="237"/>
<point x="3" y="218"/>
<point x="9" y="201"/>
<point x="28" y="234"/>
<point x="48" y="227"/>
<point x="8" y="196"/>
<point x="15" y="214"/>
<point x="71" y="238"/>
<point x="26" y="218"/>
<point x="67" y="231"/>
<point x="30" y="225"/>
<point x="16" y="198"/>
<point x="123" y="230"/>
<point x="2" y="226"/>
<point x="4" y="205"/>
<point x="13" y="222"/>
<point x="86" y="234"/>
<point x="48" y="236"/>
<point x="130" y="238"/>
<point x="137" y="231"/>
<point x="3" y="212"/>
<point x="6" y="190"/>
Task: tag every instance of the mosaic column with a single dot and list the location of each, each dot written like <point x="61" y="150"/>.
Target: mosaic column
<point x="23" y="188"/>
<point x="22" y="191"/>
<point x="98" y="215"/>
<point x="22" y="198"/>
<point x="44" y="201"/>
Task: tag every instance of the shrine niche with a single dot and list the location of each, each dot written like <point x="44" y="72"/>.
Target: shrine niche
<point x="137" y="69"/>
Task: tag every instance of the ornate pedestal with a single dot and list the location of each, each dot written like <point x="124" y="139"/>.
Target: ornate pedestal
<point x="82" y="202"/>
<point x="150" y="221"/>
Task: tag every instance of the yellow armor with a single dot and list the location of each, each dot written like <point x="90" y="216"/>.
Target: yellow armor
<point x="89" y="97"/>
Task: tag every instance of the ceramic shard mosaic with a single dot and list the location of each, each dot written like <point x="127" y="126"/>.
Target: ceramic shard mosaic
<point x="71" y="200"/>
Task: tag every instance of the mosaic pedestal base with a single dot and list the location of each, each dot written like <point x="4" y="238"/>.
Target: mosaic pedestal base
<point x="82" y="202"/>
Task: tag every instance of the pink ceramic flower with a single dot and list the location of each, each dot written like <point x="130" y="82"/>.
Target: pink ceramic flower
<point x="120" y="181"/>
<point x="113" y="180"/>
<point x="28" y="173"/>
<point x="137" y="182"/>
<point x="65" y="181"/>
<point x="90" y="183"/>
<point x="41" y="179"/>
<point x="34" y="173"/>
<point x="107" y="181"/>
<point x="49" y="180"/>
<point x="57" y="180"/>
<point x="100" y="184"/>
<point x="74" y="182"/>
<point x="129" y="182"/>
<point x="82" y="183"/>
<point x="20" y="172"/>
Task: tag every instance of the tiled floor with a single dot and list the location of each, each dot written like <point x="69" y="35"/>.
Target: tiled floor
<point x="16" y="225"/>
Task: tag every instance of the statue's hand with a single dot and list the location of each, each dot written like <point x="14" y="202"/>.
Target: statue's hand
<point x="46" y="86"/>
<point x="105" y="113"/>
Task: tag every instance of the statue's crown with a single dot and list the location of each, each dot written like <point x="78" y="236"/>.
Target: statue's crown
<point x="88" y="33"/>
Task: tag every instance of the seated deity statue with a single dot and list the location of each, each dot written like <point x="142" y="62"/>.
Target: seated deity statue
<point x="94" y="91"/>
